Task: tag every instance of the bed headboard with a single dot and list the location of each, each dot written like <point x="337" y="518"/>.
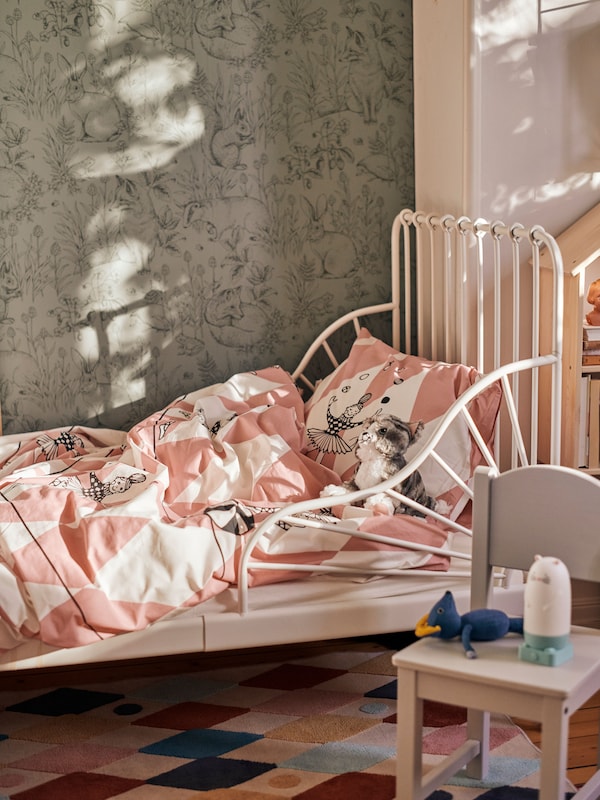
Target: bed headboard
<point x="469" y="291"/>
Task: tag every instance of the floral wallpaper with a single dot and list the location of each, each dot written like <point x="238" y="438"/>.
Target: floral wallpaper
<point x="189" y="189"/>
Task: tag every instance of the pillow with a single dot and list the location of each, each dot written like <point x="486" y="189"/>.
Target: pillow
<point x="376" y="378"/>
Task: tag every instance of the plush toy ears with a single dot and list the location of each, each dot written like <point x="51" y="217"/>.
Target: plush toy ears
<point x="415" y="428"/>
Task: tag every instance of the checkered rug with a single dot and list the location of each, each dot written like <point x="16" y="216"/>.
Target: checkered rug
<point x="320" y="726"/>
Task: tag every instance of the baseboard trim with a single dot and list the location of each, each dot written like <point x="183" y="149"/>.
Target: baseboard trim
<point x="586" y="604"/>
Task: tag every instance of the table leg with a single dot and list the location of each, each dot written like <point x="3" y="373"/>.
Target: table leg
<point x="555" y="739"/>
<point x="409" y="757"/>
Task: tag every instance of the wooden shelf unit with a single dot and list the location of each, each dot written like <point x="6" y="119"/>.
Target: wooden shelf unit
<point x="580" y="248"/>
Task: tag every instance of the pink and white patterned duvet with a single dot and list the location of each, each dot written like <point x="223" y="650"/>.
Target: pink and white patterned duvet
<point x="103" y="531"/>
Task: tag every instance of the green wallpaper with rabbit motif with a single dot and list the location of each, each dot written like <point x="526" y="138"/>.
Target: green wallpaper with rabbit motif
<point x="189" y="189"/>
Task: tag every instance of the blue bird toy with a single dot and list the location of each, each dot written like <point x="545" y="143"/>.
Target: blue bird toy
<point x="480" y="625"/>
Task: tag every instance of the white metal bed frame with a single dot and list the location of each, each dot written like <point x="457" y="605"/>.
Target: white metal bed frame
<point x="460" y="245"/>
<point x="472" y="280"/>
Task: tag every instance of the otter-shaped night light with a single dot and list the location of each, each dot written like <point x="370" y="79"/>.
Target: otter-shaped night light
<point x="547" y="613"/>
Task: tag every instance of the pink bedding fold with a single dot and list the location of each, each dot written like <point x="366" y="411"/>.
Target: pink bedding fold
<point x="104" y="531"/>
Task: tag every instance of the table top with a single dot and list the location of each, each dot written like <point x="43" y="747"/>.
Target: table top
<point x="498" y="662"/>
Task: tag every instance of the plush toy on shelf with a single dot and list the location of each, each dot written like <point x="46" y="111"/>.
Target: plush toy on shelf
<point x="593" y="298"/>
<point x="480" y="625"/>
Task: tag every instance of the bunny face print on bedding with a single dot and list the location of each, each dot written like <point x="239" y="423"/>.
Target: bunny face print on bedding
<point x="103" y="532"/>
<point x="377" y="380"/>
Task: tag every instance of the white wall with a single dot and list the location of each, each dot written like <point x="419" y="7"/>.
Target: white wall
<point x="507" y="109"/>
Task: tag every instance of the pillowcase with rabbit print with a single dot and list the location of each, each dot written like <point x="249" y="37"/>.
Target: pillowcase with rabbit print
<point x="376" y="379"/>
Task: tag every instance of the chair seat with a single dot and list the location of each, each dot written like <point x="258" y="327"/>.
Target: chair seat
<point x="498" y="667"/>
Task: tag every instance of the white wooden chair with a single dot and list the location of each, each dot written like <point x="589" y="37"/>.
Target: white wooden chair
<point x="546" y="510"/>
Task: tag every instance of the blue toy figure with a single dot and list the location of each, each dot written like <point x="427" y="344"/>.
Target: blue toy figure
<point x="481" y="625"/>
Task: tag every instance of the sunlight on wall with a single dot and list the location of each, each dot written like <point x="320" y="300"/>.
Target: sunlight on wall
<point x="503" y="24"/>
<point x="539" y="65"/>
<point x="163" y="119"/>
<point x="150" y="84"/>
<point x="189" y="189"/>
<point x="116" y="260"/>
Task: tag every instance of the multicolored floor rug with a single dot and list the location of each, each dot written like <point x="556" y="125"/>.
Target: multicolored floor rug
<point x="318" y="726"/>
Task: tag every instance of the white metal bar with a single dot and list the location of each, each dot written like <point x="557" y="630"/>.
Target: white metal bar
<point x="350" y="318"/>
<point x="345" y="530"/>
<point x="421" y="307"/>
<point x="518" y="446"/>
<point x="319" y="523"/>
<point x="438" y="294"/>
<point x="337" y="527"/>
<point x="292" y="566"/>
<point x="475" y="433"/>
<point x="516" y="323"/>
<point x="399" y="228"/>
<point x="481" y="326"/>
<point x="535" y="348"/>
<point x="464" y="298"/>
<point x="516" y="295"/>
<point x="450" y="305"/>
<point x="497" y="261"/>
<point x="450" y="472"/>
<point x="453" y="305"/>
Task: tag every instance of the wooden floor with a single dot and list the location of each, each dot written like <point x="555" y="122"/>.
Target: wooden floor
<point x="583" y="740"/>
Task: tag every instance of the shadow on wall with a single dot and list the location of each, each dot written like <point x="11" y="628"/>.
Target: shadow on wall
<point x="150" y="113"/>
<point x="109" y="119"/>
<point x="189" y="189"/>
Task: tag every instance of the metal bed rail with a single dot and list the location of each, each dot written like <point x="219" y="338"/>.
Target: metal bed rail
<point x="477" y="285"/>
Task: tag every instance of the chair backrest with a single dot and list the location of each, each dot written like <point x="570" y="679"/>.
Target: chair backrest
<point x="535" y="510"/>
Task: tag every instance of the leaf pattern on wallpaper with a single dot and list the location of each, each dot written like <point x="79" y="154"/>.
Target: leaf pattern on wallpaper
<point x="188" y="189"/>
